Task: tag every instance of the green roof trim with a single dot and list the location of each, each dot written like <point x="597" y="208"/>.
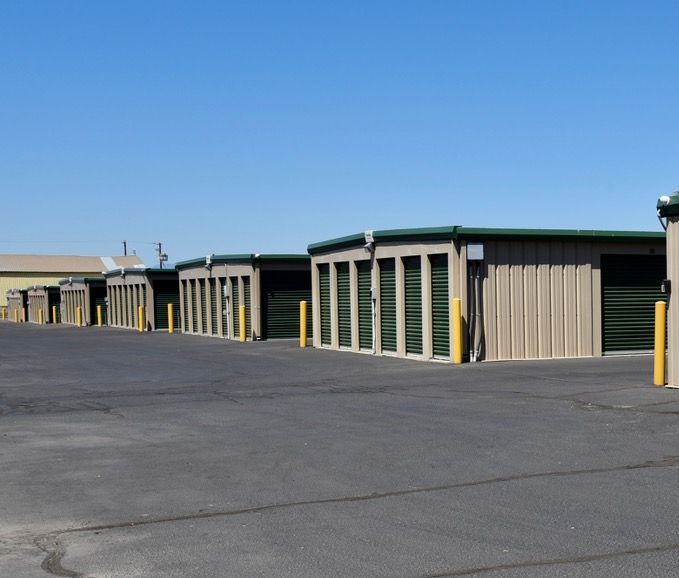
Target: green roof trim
<point x="140" y="270"/>
<point x="85" y="280"/>
<point x="471" y="233"/>
<point x="243" y="258"/>
<point x="670" y="209"/>
<point x="480" y="233"/>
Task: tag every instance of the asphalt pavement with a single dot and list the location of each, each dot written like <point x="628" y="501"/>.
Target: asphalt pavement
<point x="153" y="455"/>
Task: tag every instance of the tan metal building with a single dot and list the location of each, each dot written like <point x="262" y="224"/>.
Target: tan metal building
<point x="18" y="271"/>
<point x="526" y="294"/>
<point x="87" y="293"/>
<point x="43" y="298"/>
<point x="152" y="289"/>
<point x="17" y="305"/>
<point x="270" y="288"/>
<point x="668" y="209"/>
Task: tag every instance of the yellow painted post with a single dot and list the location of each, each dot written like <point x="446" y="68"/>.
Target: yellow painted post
<point x="54" y="313"/>
<point x="141" y="317"/>
<point x="457" y="330"/>
<point x="100" y="316"/>
<point x="170" y="318"/>
<point x="16" y="316"/>
<point x="23" y="315"/>
<point x="79" y="316"/>
<point x="302" y="323"/>
<point x="41" y="319"/>
<point x="659" y="353"/>
<point x="241" y="318"/>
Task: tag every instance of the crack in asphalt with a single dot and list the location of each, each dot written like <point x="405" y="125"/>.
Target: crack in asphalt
<point x="55" y="553"/>
<point x="553" y="561"/>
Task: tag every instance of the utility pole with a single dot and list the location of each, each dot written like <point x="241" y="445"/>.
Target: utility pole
<point x="125" y="248"/>
<point x="162" y="257"/>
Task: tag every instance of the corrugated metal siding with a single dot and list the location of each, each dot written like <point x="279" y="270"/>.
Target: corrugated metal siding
<point x="282" y="293"/>
<point x="413" y="304"/>
<point x="235" y="307"/>
<point x="203" y="306"/>
<point x="365" y="313"/>
<point x="388" y="304"/>
<point x="185" y="326"/>
<point x="343" y="304"/>
<point x="225" y="309"/>
<point x="324" y="280"/>
<point x="440" y="308"/>
<point x="538" y="299"/>
<point x="214" y="306"/>
<point x="194" y="306"/>
<point x="248" y="307"/>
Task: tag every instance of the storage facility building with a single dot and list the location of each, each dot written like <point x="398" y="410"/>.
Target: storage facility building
<point x="152" y="289"/>
<point x="86" y="293"/>
<point x="21" y="271"/>
<point x="270" y="287"/>
<point x="525" y="294"/>
<point x="43" y="298"/>
<point x="17" y="304"/>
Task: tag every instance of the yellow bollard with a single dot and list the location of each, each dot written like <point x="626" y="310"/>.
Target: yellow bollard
<point x="100" y="317"/>
<point x="79" y="316"/>
<point x="41" y="318"/>
<point x="457" y="330"/>
<point x="23" y="315"/>
<point x="140" y="311"/>
<point x="241" y="317"/>
<point x="16" y="316"/>
<point x="302" y="323"/>
<point x="170" y="318"/>
<point x="54" y="313"/>
<point x="659" y="352"/>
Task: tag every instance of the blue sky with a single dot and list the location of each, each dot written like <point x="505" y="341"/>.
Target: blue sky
<point x="277" y="124"/>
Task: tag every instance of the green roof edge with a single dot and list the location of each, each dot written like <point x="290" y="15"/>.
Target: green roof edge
<point x="243" y="258"/>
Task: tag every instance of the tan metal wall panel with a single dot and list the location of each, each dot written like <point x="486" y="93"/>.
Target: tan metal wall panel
<point x="570" y="300"/>
<point x="503" y="303"/>
<point x="673" y="318"/>
<point x="584" y="297"/>
<point x="490" y="302"/>
<point x="544" y="301"/>
<point x="530" y="300"/>
<point x="516" y="313"/>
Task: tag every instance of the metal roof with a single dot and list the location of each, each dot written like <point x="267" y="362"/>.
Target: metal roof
<point x="454" y="232"/>
<point x="63" y="263"/>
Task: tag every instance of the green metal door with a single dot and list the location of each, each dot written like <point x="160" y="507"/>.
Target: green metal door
<point x="248" y="309"/>
<point x="343" y="304"/>
<point x="203" y="307"/>
<point x="223" y="312"/>
<point x="235" y="307"/>
<point x="282" y="292"/>
<point x="99" y="296"/>
<point x="365" y="310"/>
<point x="440" y="309"/>
<point x="165" y="293"/>
<point x="214" y="306"/>
<point x="194" y="306"/>
<point x="324" y="282"/>
<point x="413" y="301"/>
<point x="630" y="286"/>
<point x="388" y="304"/>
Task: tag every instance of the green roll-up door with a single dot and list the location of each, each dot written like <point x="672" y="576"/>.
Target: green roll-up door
<point x="388" y="304"/>
<point x="440" y="309"/>
<point x="235" y="307"/>
<point x="324" y="282"/>
<point x="630" y="286"/>
<point x="185" y="327"/>
<point x="413" y="301"/>
<point x="214" y="306"/>
<point x="163" y="299"/>
<point x="343" y="304"/>
<point x="223" y="312"/>
<point x="282" y="292"/>
<point x="365" y="310"/>
<point x="194" y="306"/>
<point x="248" y="308"/>
<point x="203" y="307"/>
<point x="100" y="300"/>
